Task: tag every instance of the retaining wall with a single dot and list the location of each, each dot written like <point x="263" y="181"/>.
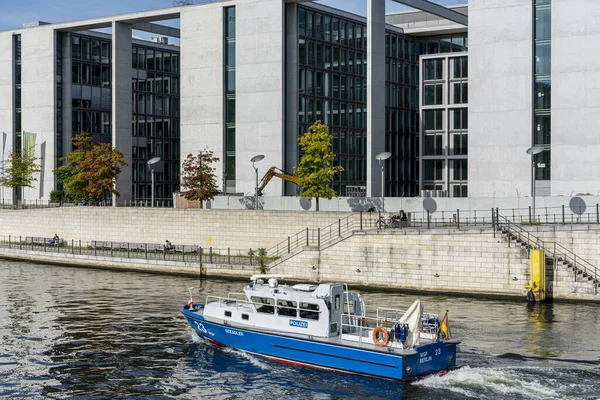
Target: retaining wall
<point x="237" y="229"/>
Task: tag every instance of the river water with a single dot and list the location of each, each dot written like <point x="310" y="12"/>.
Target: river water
<point x="81" y="333"/>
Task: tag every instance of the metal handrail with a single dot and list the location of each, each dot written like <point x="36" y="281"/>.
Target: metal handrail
<point x="578" y="262"/>
<point x="585" y="266"/>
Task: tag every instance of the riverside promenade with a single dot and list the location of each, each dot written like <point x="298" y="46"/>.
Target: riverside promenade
<point x="467" y="256"/>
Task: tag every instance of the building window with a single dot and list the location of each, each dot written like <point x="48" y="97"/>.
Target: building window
<point x="459" y="93"/>
<point x="432" y="94"/>
<point x="433" y="69"/>
<point x="459" y="119"/>
<point x="542" y="92"/>
<point x="459" y="67"/>
<point x="433" y="144"/>
<point x="433" y="170"/>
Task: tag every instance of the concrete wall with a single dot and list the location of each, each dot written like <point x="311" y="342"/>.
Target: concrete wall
<point x="260" y="63"/>
<point x="575" y="97"/>
<point x="202" y="88"/>
<point x="468" y="261"/>
<point x="38" y="113"/>
<point x="217" y="228"/>
<point x="6" y="100"/>
<point x="500" y="97"/>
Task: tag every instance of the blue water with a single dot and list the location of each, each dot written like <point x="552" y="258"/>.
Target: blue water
<point x="80" y="333"/>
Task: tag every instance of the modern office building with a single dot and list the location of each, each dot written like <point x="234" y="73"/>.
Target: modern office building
<point x="456" y="100"/>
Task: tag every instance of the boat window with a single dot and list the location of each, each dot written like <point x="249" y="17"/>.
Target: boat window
<point x="349" y="307"/>
<point x="287" y="308"/>
<point x="264" y="304"/>
<point x="337" y="301"/>
<point x="228" y="313"/>
<point x="309" y="311"/>
<point x="245" y="316"/>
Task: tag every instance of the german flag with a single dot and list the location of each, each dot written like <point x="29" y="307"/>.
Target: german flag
<point x="444" y="326"/>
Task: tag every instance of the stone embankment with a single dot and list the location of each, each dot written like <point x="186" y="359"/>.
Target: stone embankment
<point x="470" y="260"/>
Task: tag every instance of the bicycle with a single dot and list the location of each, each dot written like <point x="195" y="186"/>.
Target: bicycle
<point x="391" y="222"/>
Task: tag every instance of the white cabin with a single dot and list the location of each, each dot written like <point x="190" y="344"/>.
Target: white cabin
<point x="315" y="310"/>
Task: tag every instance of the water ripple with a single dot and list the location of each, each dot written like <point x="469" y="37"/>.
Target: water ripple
<point x="92" y="334"/>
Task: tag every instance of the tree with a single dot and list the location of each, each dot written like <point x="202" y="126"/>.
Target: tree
<point x="19" y="170"/>
<point x="198" y="177"/>
<point x="91" y="169"/>
<point x="316" y="169"/>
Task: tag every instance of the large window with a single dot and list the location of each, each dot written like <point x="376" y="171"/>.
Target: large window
<point x="433" y="94"/>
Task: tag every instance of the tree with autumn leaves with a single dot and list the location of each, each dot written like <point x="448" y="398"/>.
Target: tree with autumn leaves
<point x="91" y="169"/>
<point x="316" y="169"/>
<point x="198" y="179"/>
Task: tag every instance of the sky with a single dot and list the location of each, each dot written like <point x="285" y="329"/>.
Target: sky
<point x="13" y="13"/>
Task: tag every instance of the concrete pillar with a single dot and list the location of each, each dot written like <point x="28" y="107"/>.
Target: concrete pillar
<point x="375" y="91"/>
<point x="122" y="106"/>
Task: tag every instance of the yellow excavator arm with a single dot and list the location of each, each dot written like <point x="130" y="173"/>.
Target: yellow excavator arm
<point x="276" y="172"/>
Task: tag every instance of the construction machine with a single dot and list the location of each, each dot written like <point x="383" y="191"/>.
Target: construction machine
<point x="279" y="173"/>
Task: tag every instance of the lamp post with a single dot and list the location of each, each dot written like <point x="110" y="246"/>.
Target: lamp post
<point x="382" y="157"/>
<point x="151" y="163"/>
<point x="532" y="151"/>
<point x="254" y="159"/>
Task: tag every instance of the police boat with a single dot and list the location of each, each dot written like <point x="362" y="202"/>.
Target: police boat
<point x="325" y="326"/>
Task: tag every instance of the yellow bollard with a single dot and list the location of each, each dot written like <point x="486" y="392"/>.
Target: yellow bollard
<point x="538" y="274"/>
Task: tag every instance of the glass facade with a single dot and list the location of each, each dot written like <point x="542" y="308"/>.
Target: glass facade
<point x="155" y="121"/>
<point x="18" y="130"/>
<point x="332" y="87"/>
<point x="542" y="86"/>
<point x="91" y="87"/>
<point x="59" y="97"/>
<point x="444" y="125"/>
<point x="229" y="82"/>
<point x="17" y="120"/>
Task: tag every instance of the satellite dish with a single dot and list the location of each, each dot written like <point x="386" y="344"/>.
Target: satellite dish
<point x="383" y="156"/>
<point x="534" y="150"/>
<point x="257" y="158"/>
<point x="577" y="205"/>
<point x="153" y="160"/>
<point x="430" y="205"/>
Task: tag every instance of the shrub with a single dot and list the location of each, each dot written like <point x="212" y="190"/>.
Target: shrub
<point x="57" y="196"/>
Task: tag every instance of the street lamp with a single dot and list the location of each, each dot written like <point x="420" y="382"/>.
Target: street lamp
<point x="532" y="151"/>
<point x="151" y="163"/>
<point x="254" y="159"/>
<point x="382" y="157"/>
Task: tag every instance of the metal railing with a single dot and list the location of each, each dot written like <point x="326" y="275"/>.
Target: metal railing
<point x="551" y="248"/>
<point x="145" y="251"/>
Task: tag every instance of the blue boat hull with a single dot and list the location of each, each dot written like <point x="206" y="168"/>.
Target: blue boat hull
<point x="390" y="365"/>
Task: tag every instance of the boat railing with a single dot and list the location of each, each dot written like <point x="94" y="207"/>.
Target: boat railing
<point x="228" y="301"/>
<point x="360" y="328"/>
<point x="232" y="295"/>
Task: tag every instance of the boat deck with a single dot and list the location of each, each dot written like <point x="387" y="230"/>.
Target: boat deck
<point x="362" y="341"/>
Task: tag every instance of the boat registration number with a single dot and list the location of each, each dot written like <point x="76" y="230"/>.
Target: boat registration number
<point x="298" y="324"/>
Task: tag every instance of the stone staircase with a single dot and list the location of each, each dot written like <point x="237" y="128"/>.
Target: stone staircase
<point x="562" y="265"/>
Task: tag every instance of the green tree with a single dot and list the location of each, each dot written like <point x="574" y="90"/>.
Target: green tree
<point x="19" y="170"/>
<point x="91" y="169"/>
<point x="198" y="178"/>
<point x="316" y="169"/>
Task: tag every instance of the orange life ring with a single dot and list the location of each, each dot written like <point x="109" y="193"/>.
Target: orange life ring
<point x="384" y="339"/>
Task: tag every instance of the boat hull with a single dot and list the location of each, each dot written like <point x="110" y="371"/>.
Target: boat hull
<point x="429" y="358"/>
